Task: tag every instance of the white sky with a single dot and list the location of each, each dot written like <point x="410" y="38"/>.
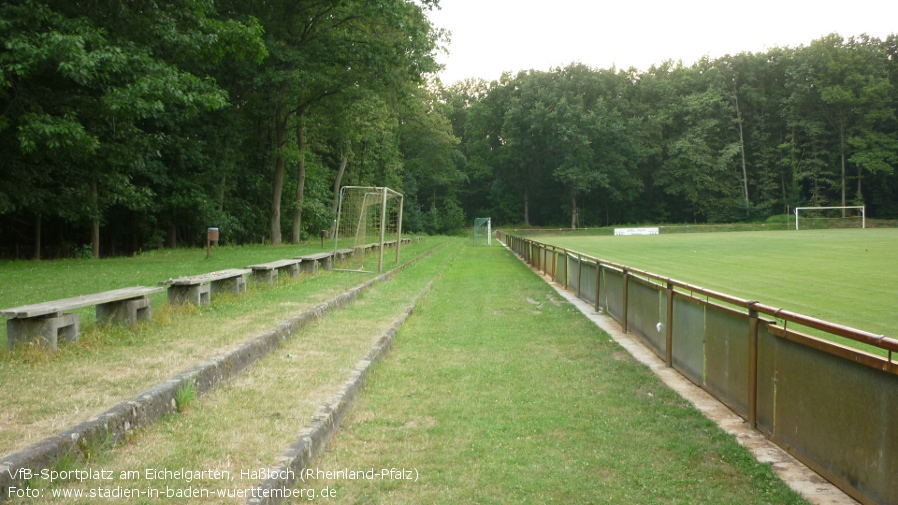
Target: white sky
<point x="492" y="36"/>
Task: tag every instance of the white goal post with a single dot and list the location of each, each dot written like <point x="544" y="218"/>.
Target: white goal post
<point x="366" y="215"/>
<point x="861" y="208"/>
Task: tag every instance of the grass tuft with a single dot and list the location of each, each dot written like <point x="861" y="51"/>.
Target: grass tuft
<point x="184" y="396"/>
<point x="94" y="447"/>
<point x="66" y="461"/>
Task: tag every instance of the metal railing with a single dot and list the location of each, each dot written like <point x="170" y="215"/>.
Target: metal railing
<point x="833" y="407"/>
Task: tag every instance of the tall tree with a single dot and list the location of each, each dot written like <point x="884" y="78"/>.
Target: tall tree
<point x="91" y="92"/>
<point x="321" y="49"/>
<point x="845" y="87"/>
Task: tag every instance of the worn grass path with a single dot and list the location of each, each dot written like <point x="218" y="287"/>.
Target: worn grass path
<point x="495" y="391"/>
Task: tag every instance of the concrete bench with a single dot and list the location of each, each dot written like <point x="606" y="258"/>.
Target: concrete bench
<point x="341" y="254"/>
<point x="46" y="321"/>
<point x="198" y="289"/>
<point x="269" y="271"/>
<point x="310" y="261"/>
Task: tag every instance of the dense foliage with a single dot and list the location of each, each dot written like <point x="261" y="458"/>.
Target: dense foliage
<point x="151" y="121"/>
<point x="735" y="138"/>
<point x="138" y="124"/>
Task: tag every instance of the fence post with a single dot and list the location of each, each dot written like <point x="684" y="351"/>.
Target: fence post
<point x="580" y="276"/>
<point x="598" y="284"/>
<point x="752" y="366"/>
<point x="548" y="265"/>
<point x="623" y="318"/>
<point x="554" y="264"/>
<point x="668" y="349"/>
<point x="564" y="259"/>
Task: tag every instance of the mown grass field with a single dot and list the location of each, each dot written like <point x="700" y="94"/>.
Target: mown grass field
<point x="846" y="276"/>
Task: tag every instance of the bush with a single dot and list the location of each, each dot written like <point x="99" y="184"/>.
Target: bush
<point x="780" y="218"/>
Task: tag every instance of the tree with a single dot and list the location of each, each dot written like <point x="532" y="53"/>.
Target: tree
<point x="845" y="87"/>
<point x="322" y="49"/>
<point x="91" y="91"/>
<point x="432" y="162"/>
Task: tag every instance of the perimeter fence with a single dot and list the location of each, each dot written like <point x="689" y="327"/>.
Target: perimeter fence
<point x="833" y="407"/>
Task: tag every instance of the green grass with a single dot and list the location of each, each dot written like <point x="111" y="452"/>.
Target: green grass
<point x="495" y="391"/>
<point x="247" y="423"/>
<point x="776" y="223"/>
<point x="45" y="393"/>
<point x="843" y="276"/>
<point x="29" y="282"/>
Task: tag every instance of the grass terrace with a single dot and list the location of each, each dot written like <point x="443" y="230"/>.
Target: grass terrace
<point x="44" y="393"/>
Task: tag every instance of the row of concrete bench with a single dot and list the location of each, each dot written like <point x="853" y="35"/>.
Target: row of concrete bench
<point x="46" y="322"/>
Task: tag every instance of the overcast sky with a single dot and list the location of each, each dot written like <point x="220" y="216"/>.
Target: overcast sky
<point x="492" y="36"/>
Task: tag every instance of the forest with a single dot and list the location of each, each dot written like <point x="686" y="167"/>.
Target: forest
<point x="135" y="125"/>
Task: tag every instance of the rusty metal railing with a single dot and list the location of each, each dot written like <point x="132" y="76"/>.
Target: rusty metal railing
<point x="832" y="406"/>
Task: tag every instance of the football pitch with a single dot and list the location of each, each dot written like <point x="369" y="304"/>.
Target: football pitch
<point x="849" y="277"/>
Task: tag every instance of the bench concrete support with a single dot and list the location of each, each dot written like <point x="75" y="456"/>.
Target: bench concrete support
<point x="46" y="330"/>
<point x="311" y="262"/>
<point x="197" y="294"/>
<point x="47" y="321"/>
<point x="198" y="289"/>
<point x="268" y="272"/>
<point x="341" y="254"/>
<point x="269" y="276"/>
<point x="236" y="285"/>
<point x="125" y="311"/>
<point x="309" y="266"/>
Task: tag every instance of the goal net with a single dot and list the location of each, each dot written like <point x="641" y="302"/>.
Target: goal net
<point x="483" y="231"/>
<point x="830" y="217"/>
<point x="369" y="220"/>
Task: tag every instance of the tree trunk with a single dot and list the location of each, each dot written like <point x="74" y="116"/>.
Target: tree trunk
<point x="172" y="240"/>
<point x="785" y="195"/>
<point x="221" y="193"/>
<point x="278" y="185"/>
<point x="301" y="180"/>
<point x="37" y="236"/>
<point x="338" y="182"/>
<point x="526" y="207"/>
<point x="842" y="154"/>
<point x="742" y="151"/>
<point x="95" y="220"/>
